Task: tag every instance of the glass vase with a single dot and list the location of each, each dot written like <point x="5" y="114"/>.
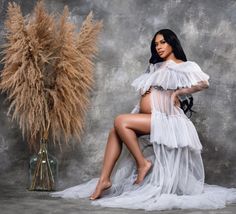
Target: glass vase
<point x="43" y="170"/>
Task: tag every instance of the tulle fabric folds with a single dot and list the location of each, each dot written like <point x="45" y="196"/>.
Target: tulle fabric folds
<point x="170" y="75"/>
<point x="169" y="125"/>
<point x="176" y="179"/>
<point x="175" y="171"/>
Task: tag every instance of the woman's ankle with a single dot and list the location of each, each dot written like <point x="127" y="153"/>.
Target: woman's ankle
<point x="104" y="180"/>
<point x="143" y="164"/>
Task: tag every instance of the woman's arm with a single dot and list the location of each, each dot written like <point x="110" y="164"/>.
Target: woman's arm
<point x="183" y="91"/>
<point x="199" y="87"/>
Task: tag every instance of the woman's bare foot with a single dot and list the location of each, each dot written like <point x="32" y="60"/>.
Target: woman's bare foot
<point x="142" y="171"/>
<point x="101" y="186"/>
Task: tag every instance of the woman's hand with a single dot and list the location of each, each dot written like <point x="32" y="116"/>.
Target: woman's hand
<point x="147" y="92"/>
<point x="175" y="99"/>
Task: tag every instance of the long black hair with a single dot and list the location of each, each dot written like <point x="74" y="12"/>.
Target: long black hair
<point x="171" y="38"/>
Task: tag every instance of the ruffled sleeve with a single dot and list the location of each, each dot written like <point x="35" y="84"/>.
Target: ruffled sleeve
<point x="170" y="75"/>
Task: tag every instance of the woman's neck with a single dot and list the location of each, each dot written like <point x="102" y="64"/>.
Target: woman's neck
<point x="172" y="57"/>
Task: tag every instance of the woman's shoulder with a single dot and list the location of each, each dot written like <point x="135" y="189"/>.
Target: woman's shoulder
<point x="193" y="63"/>
<point x="188" y="65"/>
<point x="170" y="75"/>
<point x="177" y="63"/>
<point x="180" y="66"/>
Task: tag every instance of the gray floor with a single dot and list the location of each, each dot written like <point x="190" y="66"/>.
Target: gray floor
<point x="15" y="199"/>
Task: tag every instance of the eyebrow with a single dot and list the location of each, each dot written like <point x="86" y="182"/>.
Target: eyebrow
<point x="159" y="41"/>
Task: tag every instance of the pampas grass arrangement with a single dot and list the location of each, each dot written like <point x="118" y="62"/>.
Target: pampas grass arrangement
<point x="48" y="76"/>
<point x="48" y="72"/>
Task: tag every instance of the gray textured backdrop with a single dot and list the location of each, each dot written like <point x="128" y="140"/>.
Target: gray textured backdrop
<point x="207" y="30"/>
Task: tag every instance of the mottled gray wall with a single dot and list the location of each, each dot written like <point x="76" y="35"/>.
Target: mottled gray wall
<point x="207" y="30"/>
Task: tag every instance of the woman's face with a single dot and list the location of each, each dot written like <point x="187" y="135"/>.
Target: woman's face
<point x="164" y="50"/>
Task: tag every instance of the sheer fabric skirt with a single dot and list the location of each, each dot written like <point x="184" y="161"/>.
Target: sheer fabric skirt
<point x="176" y="179"/>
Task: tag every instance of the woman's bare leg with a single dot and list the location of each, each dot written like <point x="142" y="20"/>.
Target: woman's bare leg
<point x="126" y="126"/>
<point x="112" y="153"/>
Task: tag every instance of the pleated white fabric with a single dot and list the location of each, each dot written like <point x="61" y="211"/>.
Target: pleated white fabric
<point x="176" y="179"/>
<point x="170" y="75"/>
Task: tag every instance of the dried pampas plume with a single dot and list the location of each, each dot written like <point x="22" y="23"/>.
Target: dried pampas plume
<point x="48" y="72"/>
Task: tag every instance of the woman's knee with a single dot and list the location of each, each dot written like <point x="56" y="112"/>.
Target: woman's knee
<point x="120" y="121"/>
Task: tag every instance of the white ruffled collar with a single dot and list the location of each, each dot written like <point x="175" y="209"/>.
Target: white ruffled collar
<point x="170" y="61"/>
<point x="172" y="65"/>
<point x="170" y="75"/>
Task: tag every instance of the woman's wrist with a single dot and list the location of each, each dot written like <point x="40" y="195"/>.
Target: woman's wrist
<point x="177" y="92"/>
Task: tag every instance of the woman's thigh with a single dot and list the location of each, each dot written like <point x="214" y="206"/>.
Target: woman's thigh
<point x="140" y="123"/>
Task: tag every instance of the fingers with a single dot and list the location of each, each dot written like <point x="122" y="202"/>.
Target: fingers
<point x="147" y="92"/>
<point x="175" y="100"/>
<point x="177" y="103"/>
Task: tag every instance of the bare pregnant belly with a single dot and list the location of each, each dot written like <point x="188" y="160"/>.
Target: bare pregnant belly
<point x="145" y="104"/>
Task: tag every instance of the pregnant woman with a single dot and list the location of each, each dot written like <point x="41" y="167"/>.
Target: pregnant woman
<point x="166" y="171"/>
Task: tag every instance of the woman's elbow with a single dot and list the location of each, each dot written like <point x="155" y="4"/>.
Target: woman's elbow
<point x="204" y="84"/>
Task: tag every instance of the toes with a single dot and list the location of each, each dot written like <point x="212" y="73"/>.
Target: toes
<point x="99" y="190"/>
<point x="93" y="197"/>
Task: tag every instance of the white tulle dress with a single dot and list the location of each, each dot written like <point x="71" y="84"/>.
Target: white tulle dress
<point x="176" y="179"/>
